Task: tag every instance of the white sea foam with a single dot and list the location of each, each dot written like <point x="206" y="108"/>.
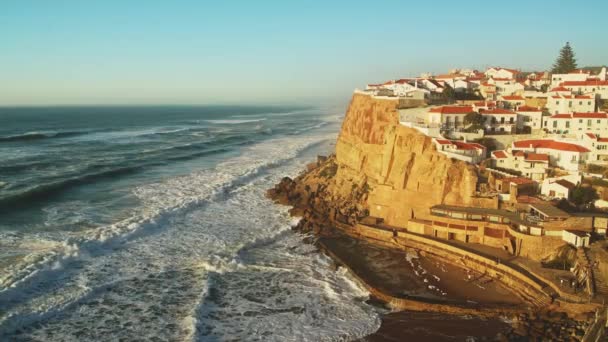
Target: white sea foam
<point x="234" y="121"/>
<point x="209" y="252"/>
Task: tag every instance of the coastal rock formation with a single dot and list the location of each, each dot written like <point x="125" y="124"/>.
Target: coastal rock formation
<point x="380" y="169"/>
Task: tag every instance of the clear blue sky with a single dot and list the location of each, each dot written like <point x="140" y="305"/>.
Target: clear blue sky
<point x="185" y="52"/>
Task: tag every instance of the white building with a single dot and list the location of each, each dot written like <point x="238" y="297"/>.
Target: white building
<point x="565" y="155"/>
<point x="469" y="152"/>
<point x="501" y="73"/>
<point x="561" y="104"/>
<point x="448" y="116"/>
<point x="531" y="117"/>
<point x="578" y="75"/>
<point x="560" y="187"/>
<point x="577" y="238"/>
<point x="499" y="120"/>
<point x="512" y="101"/>
<point x="538" y="79"/>
<point x="529" y="164"/>
<point x="597" y="145"/>
<point x="588" y="87"/>
<point x="577" y="123"/>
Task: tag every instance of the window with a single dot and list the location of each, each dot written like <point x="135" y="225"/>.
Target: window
<point x="569" y="103"/>
<point x="510" y="120"/>
<point x="554" y="124"/>
<point x="580" y="120"/>
<point x="567" y="124"/>
<point x="502" y="120"/>
<point x="589" y="123"/>
<point x="556" y="102"/>
<point x="574" y="158"/>
<point x="580" y="102"/>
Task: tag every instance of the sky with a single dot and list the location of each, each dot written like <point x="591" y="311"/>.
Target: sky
<point x="60" y="52"/>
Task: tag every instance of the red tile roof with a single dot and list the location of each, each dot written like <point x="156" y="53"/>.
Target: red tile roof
<point x="561" y="116"/>
<point x="467" y="146"/>
<point x="452" y="110"/>
<point x="501" y="154"/>
<point x="513" y="98"/>
<point x="528" y="109"/>
<point x="565" y="184"/>
<point x="584" y="83"/>
<point x="443" y="141"/>
<point x="539" y="157"/>
<point x="560" y="88"/>
<point x="501" y="79"/>
<point x="496" y="111"/>
<point x="591" y="135"/>
<point x="602" y="139"/>
<point x="590" y="115"/>
<point x="549" y="144"/>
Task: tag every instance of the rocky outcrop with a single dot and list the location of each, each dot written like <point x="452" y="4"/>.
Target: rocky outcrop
<point x="382" y="169"/>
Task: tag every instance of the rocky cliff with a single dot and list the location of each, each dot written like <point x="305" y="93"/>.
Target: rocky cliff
<point x="380" y="168"/>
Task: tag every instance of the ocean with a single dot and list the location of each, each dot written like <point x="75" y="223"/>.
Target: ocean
<point x="150" y="223"/>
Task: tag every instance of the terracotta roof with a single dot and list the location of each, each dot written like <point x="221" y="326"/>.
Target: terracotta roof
<point x="549" y="144"/>
<point x="452" y="110"/>
<point x="590" y="115"/>
<point x="467" y="146"/>
<point x="501" y="154"/>
<point x="518" y="180"/>
<point x="584" y="83"/>
<point x="565" y="184"/>
<point x="560" y="88"/>
<point x="496" y="111"/>
<point x="602" y="139"/>
<point x="513" y="98"/>
<point x="501" y="79"/>
<point x="528" y="109"/>
<point x="561" y="116"/>
<point x="443" y="141"/>
<point x="591" y="135"/>
<point x="542" y="157"/>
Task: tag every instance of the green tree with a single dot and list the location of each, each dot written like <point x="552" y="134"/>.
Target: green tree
<point x="566" y="62"/>
<point x="474" y="121"/>
<point x="582" y="195"/>
<point x="448" y="94"/>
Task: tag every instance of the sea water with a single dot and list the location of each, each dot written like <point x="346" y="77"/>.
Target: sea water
<point x="150" y="223"/>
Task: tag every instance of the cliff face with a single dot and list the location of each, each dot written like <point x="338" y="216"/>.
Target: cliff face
<point x="404" y="172"/>
<point x="382" y="169"/>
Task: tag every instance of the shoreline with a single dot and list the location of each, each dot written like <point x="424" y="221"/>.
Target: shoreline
<point x="533" y="318"/>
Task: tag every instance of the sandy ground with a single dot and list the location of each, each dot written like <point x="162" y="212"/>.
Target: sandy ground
<point x="422" y="326"/>
<point x="407" y="274"/>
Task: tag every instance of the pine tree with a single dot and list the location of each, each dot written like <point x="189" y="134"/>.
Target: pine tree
<point x="566" y="62"/>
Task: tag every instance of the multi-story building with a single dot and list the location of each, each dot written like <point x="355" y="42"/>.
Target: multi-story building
<point x="528" y="164"/>
<point x="565" y="155"/>
<point x="578" y="75"/>
<point x="448" y="117"/>
<point x="530" y="117"/>
<point x="588" y="87"/>
<point x="469" y="152"/>
<point x="499" y="120"/>
<point x="577" y="123"/>
<point x="597" y="145"/>
<point x="561" y="104"/>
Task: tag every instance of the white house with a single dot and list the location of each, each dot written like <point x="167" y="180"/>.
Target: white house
<point x="464" y="85"/>
<point x="560" y="187"/>
<point x="577" y="238"/>
<point x="557" y="91"/>
<point x="597" y="145"/>
<point x="501" y="73"/>
<point x="570" y="104"/>
<point x="588" y="87"/>
<point x="469" y="152"/>
<point x="538" y="79"/>
<point x="577" y="123"/>
<point x="529" y="164"/>
<point x="578" y="75"/>
<point x="565" y="155"/>
<point x="499" y="120"/>
<point x="531" y="117"/>
<point x="448" y="116"/>
<point x="512" y="101"/>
